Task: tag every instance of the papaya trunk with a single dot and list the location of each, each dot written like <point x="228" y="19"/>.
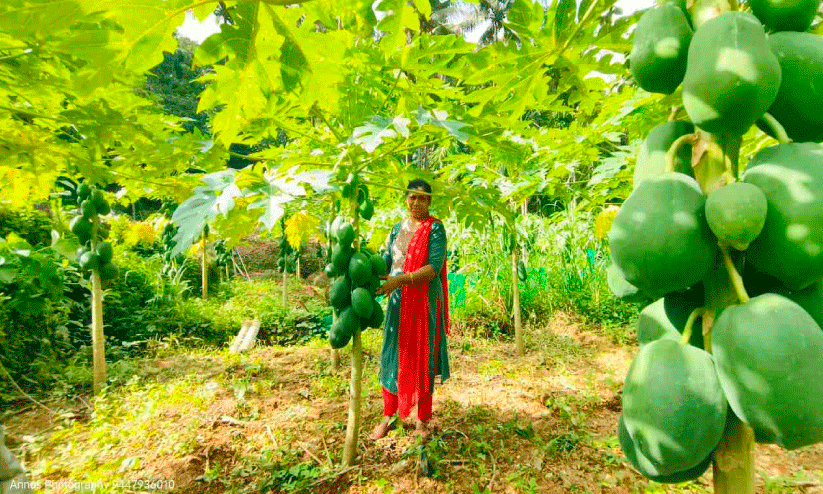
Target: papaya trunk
<point x="285" y="282"/>
<point x="518" y="325"/>
<point x="204" y="271"/>
<point x="335" y="353"/>
<point x="97" y="338"/>
<point x="734" y="459"/>
<point x="733" y="463"/>
<point x="353" y="425"/>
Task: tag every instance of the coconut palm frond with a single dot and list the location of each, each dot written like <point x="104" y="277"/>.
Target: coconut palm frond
<point x="459" y="17"/>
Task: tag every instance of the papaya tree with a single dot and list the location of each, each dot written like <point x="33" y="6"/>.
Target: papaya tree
<point x="94" y="256"/>
<point x="296" y="70"/>
<point x="734" y="341"/>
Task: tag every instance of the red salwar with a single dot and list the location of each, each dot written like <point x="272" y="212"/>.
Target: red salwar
<point x="424" y="405"/>
<point x="414" y="379"/>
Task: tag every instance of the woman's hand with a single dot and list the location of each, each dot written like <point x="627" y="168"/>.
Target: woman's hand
<point x="391" y="283"/>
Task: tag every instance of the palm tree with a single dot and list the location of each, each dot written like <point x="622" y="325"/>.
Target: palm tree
<point x="485" y="19"/>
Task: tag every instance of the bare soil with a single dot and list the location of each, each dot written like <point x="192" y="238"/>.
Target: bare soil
<point x="274" y="419"/>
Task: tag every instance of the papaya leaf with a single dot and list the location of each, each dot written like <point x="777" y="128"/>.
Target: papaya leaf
<point x="372" y="134"/>
<point x="439" y="118"/>
<point x="395" y="17"/>
<point x="208" y="201"/>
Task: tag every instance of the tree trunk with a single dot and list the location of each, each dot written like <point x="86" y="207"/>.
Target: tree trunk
<point x="298" y="268"/>
<point x="98" y="342"/>
<point x="518" y="324"/>
<point x="733" y="464"/>
<point x="353" y="425"/>
<point x="285" y="285"/>
<point x="335" y="353"/>
<point x="204" y="271"/>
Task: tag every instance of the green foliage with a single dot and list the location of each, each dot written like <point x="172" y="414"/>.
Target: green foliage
<point x="34" y="226"/>
<point x="173" y="83"/>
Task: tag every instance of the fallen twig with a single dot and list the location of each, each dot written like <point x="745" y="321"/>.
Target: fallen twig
<point x="326" y="447"/>
<point x="315" y="458"/>
<point x="20" y="390"/>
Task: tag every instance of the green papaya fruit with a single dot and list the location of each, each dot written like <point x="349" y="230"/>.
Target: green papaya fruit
<point x="81" y="227"/>
<point x="522" y="275"/>
<point x="799" y="102"/>
<point x="732" y="76"/>
<point x="330" y="271"/>
<point x="362" y="302"/>
<point x="362" y="194"/>
<point x="349" y="320"/>
<point x="673" y="406"/>
<point x="653" y="324"/>
<point x="79" y="252"/>
<point x="89" y="261"/>
<point x="736" y="213"/>
<point x="340" y="292"/>
<point x="87" y="210"/>
<point x="785" y="15"/>
<point x="657" y="321"/>
<point x="83" y="191"/>
<point x="345" y="234"/>
<point x="769" y="358"/>
<point x="376" y="319"/>
<point x="340" y="256"/>
<point x="378" y="265"/>
<point x="339" y="334"/>
<point x="108" y="272"/>
<point x="651" y="162"/>
<point x="360" y="269"/>
<point x="645" y="467"/>
<point x="655" y="253"/>
<point x="659" y="48"/>
<point x="104" y="252"/>
<point x="790" y="247"/>
<point x="99" y="202"/>
<point x="809" y="298"/>
<point x="621" y="288"/>
<point x="366" y="209"/>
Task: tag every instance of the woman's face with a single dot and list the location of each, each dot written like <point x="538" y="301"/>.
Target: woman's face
<point x="417" y="202"/>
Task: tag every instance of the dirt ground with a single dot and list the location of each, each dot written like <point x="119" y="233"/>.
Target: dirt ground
<point x="273" y="420"/>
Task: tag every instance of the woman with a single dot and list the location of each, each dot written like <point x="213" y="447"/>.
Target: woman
<point x="417" y="319"/>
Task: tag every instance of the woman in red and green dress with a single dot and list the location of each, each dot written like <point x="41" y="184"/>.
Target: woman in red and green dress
<point x="417" y="318"/>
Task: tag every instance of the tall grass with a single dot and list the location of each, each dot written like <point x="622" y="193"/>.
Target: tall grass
<point x="566" y="263"/>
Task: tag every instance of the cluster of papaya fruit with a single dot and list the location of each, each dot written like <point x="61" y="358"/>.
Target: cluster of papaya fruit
<point x="762" y="356"/>
<point x="167" y="237"/>
<point x="355" y="277"/>
<point x="222" y="255"/>
<point x="365" y="206"/>
<point x="93" y="253"/>
<point x="509" y="243"/>
<point x="287" y="262"/>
